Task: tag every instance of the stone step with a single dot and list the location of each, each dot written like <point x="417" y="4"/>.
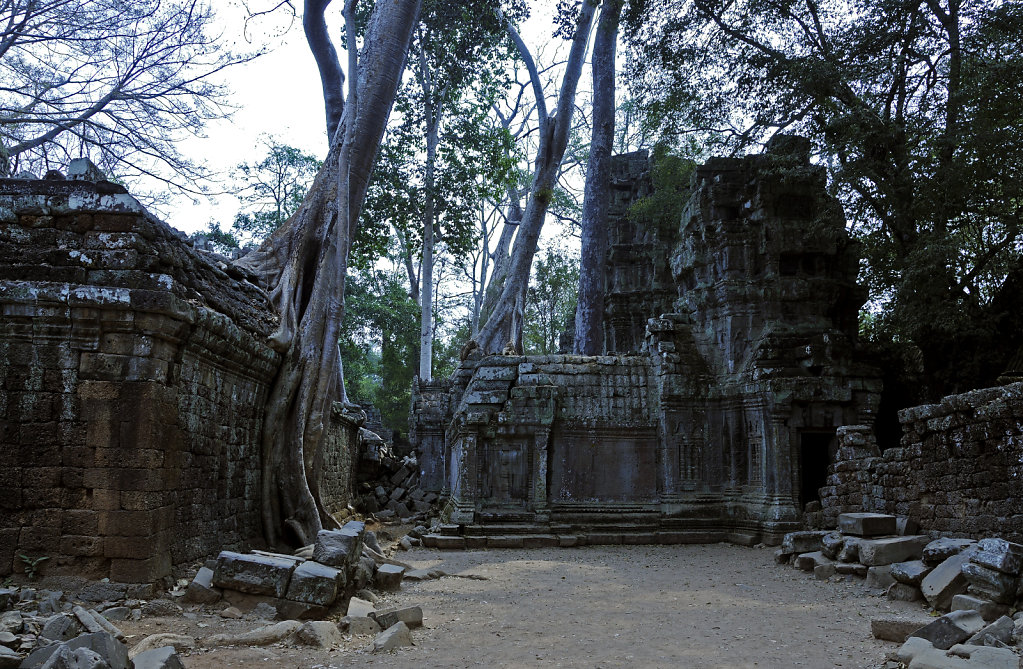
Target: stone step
<point x="867" y="524"/>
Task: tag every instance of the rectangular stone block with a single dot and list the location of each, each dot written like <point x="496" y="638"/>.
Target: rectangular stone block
<point x="945" y="581"/>
<point x="802" y="542"/>
<point x="867" y="524"/>
<point x="314" y="583"/>
<point x="253" y="574"/>
<point x="874" y="552"/>
<point x="990" y="583"/>
<point x="1000" y="555"/>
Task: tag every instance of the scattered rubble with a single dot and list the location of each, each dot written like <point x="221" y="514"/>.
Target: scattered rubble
<point x="976" y="585"/>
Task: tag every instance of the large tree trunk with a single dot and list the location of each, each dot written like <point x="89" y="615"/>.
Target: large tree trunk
<point x="432" y="115"/>
<point x="304" y="265"/>
<point x="332" y="79"/>
<point x="589" y="312"/>
<point x="504" y="325"/>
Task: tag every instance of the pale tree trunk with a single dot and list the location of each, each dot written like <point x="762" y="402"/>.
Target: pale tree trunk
<point x="410" y="268"/>
<point x="503" y="328"/>
<point x="589" y="312"/>
<point x="501" y="256"/>
<point x="332" y="78"/>
<point x="303" y="265"/>
<point x="432" y="115"/>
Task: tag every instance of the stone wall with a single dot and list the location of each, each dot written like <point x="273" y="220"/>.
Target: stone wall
<point x="958" y="470"/>
<point x="736" y="363"/>
<point x="133" y="375"/>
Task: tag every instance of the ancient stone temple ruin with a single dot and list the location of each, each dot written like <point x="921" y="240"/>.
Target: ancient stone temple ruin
<point x="134" y="370"/>
<point x="731" y="361"/>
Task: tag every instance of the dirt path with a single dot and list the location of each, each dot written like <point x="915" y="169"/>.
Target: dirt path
<point x="697" y="607"/>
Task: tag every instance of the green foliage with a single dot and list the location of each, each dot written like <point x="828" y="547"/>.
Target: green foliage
<point x="272" y="190"/>
<point x="550" y="301"/>
<point x="670" y="175"/>
<point x="222" y="240"/>
<point x="380" y="344"/>
<point x="31" y="565"/>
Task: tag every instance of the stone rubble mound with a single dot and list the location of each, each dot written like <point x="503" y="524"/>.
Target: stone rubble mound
<point x="388" y="485"/>
<point x="977" y="585"/>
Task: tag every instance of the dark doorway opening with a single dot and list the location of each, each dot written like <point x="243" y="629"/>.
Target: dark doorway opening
<point x="816" y="452"/>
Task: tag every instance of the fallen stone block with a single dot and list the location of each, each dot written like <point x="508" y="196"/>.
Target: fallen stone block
<point x="102" y="591"/>
<point x="823" y="572"/>
<point x="903" y="592"/>
<point x="905" y="525"/>
<point x="942" y="549"/>
<point x="158" y="658"/>
<point x="161" y="608"/>
<point x="12" y="621"/>
<point x="1001" y="555"/>
<point x="995" y="634"/>
<point x="867" y="524"/>
<point x="314" y="583"/>
<point x="395" y="636"/>
<point x="977" y="657"/>
<point x="912" y="647"/>
<point x="116" y="613"/>
<point x="894" y="629"/>
<point x="989" y="583"/>
<point x="288" y="610"/>
<point x="876" y="552"/>
<point x="112" y="651"/>
<point x="178" y="642"/>
<point x="360" y="625"/>
<point x="200" y="590"/>
<point x="853" y="568"/>
<point x="61" y="627"/>
<point x="388" y="577"/>
<point x="910" y="573"/>
<point x="850" y="550"/>
<point x="831" y="545"/>
<point x="880" y="578"/>
<point x="339" y="548"/>
<point x="805" y="541"/>
<point x="262" y="611"/>
<point x="809" y="561"/>
<point x="79" y="658"/>
<point x="319" y="633"/>
<point x="988" y="610"/>
<point x="951" y="629"/>
<point x="410" y="615"/>
<point x="101" y="620"/>
<point x="9" y="659"/>
<point x="261" y="636"/>
<point x="945" y="582"/>
<point x="360" y="607"/>
<point x="231" y="613"/>
<point x="253" y="574"/>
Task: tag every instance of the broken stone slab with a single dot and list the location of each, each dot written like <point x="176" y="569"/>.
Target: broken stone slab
<point x="876" y="552"/>
<point x="11" y="621"/>
<point x="261" y="636"/>
<point x="388" y="577"/>
<point x="288" y="610"/>
<point x="102" y="591"/>
<point x="178" y="642"/>
<point x="8" y="639"/>
<point x="79" y="658"/>
<point x="1000" y="555"/>
<point x="158" y="658"/>
<point x="200" y="590"/>
<point x="905" y="525"/>
<point x="805" y="541"/>
<point x="850" y="550"/>
<point x="360" y="625"/>
<point x="910" y="573"/>
<point x="262" y="611"/>
<point x="810" y="561"/>
<point x="894" y="629"/>
<point x="989" y="583"/>
<point x="395" y="636"/>
<point x="988" y="610"/>
<point x="117" y="613"/>
<point x="880" y="578"/>
<point x="319" y="633"/>
<point x="410" y="615"/>
<point x="823" y="572"/>
<point x="9" y="659"/>
<point x="867" y="524"/>
<point x="996" y="634"/>
<point x="314" y="583"/>
<point x="253" y="574"/>
<point x="61" y="627"/>
<point x="852" y="568"/>
<point x="104" y="624"/>
<point x="831" y="545"/>
<point x="942" y="549"/>
<point x="945" y="581"/>
<point x="919" y="654"/>
<point x="903" y="592"/>
<point x="951" y="629"/>
<point x="113" y="652"/>
<point x="360" y="607"/>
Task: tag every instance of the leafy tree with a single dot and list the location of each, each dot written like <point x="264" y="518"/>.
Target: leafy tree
<point x="119" y="82"/>
<point x="550" y="301"/>
<point x="272" y="189"/>
<point x="914" y="105"/>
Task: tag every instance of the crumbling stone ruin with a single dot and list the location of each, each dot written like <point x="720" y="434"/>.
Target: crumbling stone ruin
<point x="134" y="374"/>
<point x="711" y="417"/>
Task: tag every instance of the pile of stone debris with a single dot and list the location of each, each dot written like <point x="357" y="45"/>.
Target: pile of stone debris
<point x="388" y="485"/>
<point x="976" y="584"/>
<point x="318" y="597"/>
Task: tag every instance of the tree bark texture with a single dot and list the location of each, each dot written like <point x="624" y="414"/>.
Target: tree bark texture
<point x="504" y="325"/>
<point x="303" y="265"/>
<point x="589" y="313"/>
<point x="332" y="79"/>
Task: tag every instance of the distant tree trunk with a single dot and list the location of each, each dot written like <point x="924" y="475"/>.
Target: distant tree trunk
<point x="332" y="79"/>
<point x="432" y="115"/>
<point x="589" y="313"/>
<point x="501" y="256"/>
<point x="304" y="265"/>
<point x="504" y="325"/>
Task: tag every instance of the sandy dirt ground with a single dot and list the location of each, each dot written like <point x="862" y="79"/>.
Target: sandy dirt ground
<point x="691" y="606"/>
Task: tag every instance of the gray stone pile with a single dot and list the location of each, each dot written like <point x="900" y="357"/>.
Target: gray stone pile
<point x="389" y="486"/>
<point x="976" y="584"/>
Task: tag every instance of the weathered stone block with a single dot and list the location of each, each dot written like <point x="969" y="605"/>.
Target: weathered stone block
<point x="945" y="582"/>
<point x="989" y="583"/>
<point x="940" y="550"/>
<point x="867" y="524"/>
<point x="910" y="573"/>
<point x="874" y="552"/>
<point x="1000" y="554"/>
<point x="388" y="577"/>
<point x="314" y="583"/>
<point x="253" y="574"/>
<point x="894" y="629"/>
<point x="393" y="637"/>
<point x="988" y="610"/>
<point x="951" y="628"/>
<point x="880" y="578"/>
<point x="339" y="548"/>
<point x="998" y="632"/>
<point x="410" y="615"/>
<point x="805" y="541"/>
<point x="200" y="590"/>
